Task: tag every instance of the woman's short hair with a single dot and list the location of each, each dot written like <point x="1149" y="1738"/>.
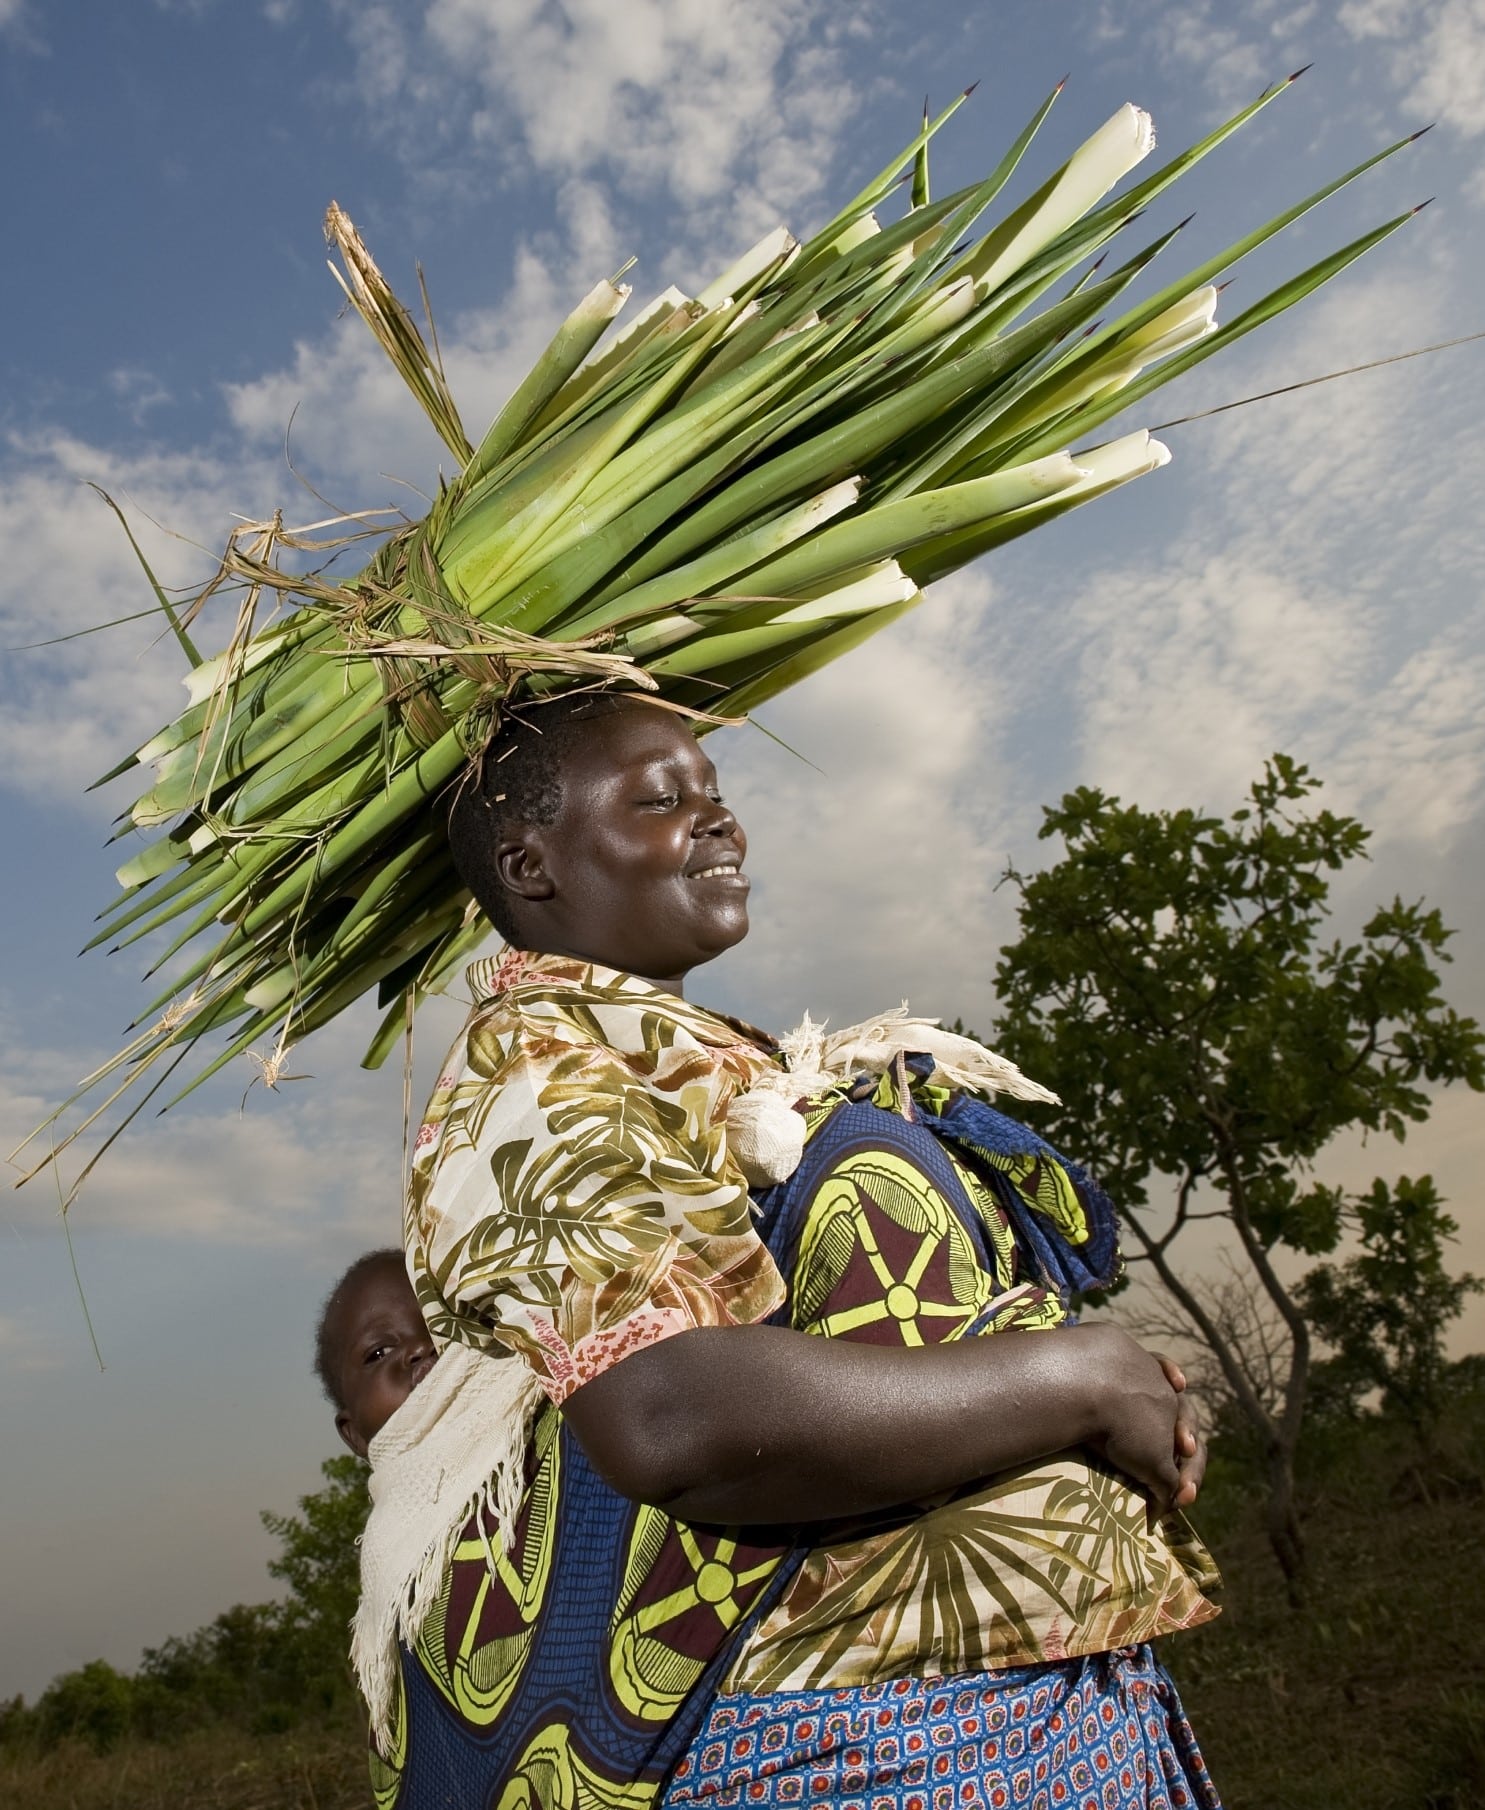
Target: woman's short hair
<point x="517" y="779"/>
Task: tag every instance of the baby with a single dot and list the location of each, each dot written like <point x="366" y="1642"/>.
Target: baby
<point x="451" y="1461"/>
<point x="372" y="1346"/>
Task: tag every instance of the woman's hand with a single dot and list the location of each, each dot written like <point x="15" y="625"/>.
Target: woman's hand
<point x="1142" y="1428"/>
<point x="1152" y="1433"/>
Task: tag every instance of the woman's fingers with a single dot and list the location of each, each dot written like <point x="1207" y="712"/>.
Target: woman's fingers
<point x="1191" y="1452"/>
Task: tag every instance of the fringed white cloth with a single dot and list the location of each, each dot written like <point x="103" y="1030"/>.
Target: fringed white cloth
<point x="765" y="1134"/>
<point x="457" y="1444"/>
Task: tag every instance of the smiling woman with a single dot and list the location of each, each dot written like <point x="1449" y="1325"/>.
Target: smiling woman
<point x="792" y="1524"/>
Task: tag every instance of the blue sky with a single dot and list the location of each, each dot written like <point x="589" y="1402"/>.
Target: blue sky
<point x="1303" y="576"/>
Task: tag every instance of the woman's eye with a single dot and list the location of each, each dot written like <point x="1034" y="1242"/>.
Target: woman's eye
<point x="665" y="801"/>
<point x="376" y="1353"/>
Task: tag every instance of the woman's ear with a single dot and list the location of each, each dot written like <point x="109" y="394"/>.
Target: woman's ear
<point x="521" y="864"/>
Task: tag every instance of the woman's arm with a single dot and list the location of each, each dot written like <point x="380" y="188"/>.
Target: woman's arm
<point x="761" y="1424"/>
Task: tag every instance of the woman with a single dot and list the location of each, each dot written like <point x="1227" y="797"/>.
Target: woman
<point x="897" y="1562"/>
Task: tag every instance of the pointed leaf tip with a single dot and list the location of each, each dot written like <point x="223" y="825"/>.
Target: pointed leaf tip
<point x="1423" y="204"/>
<point x="1423" y="131"/>
<point x="1299" y="72"/>
<point x="970" y="89"/>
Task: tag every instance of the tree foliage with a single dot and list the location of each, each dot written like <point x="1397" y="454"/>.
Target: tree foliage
<point x="1383" y="1311"/>
<point x="1171" y="981"/>
<point x="319" y="1561"/>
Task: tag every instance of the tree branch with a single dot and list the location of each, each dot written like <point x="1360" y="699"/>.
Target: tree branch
<point x="1232" y="1368"/>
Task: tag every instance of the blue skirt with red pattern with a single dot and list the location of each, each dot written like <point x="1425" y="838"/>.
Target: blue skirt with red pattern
<point x="1105" y="1732"/>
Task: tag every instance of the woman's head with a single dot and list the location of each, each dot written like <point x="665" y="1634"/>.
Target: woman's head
<point x="596" y="830"/>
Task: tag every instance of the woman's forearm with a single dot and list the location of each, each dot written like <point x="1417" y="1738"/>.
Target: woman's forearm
<point x="761" y="1424"/>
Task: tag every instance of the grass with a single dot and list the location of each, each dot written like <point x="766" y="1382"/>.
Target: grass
<point x="221" y="1768"/>
<point x="1374" y="1697"/>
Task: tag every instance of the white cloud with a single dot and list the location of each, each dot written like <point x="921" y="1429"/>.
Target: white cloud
<point x="1203" y="37"/>
<point x="875" y="874"/>
<point x="1193" y="672"/>
<point x="730" y="107"/>
<point x="139" y="391"/>
<point x="1439" y="53"/>
<point x="71" y="711"/>
<point x="1418" y="759"/>
<point x="1437" y="56"/>
<point x="316" y="1165"/>
<point x="20" y="26"/>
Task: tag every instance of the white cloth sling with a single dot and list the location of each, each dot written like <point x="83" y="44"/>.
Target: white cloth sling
<point x="457" y="1444"/>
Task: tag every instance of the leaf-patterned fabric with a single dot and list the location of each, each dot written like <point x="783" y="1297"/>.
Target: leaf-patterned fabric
<point x="573" y="1200"/>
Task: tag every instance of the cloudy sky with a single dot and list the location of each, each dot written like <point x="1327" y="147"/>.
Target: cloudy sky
<point x="1301" y="577"/>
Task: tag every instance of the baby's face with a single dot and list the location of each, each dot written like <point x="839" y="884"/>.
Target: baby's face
<point x="384" y="1352"/>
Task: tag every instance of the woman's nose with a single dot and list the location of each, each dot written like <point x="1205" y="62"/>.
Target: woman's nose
<point x="715" y="819"/>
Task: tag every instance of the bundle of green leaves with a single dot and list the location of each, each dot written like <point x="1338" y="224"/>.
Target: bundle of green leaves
<point x="733" y="491"/>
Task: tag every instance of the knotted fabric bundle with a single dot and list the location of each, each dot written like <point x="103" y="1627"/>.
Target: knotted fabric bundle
<point x="765" y="1134"/>
<point x="456" y="1445"/>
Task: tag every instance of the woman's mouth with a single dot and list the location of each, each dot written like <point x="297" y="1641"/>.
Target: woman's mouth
<point x="726" y="873"/>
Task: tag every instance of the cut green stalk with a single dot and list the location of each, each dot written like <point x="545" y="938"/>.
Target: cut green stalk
<point x="1094" y="168"/>
<point x="772" y="252"/>
<point x="877" y="589"/>
<point x="712" y="570"/>
<point x="575" y="339"/>
<point x="928" y="515"/>
<point x="1103" y="468"/>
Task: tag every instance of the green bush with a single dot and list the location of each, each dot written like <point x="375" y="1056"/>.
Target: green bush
<point x="93" y="1704"/>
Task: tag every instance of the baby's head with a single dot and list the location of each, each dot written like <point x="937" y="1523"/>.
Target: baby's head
<point x="372" y="1346"/>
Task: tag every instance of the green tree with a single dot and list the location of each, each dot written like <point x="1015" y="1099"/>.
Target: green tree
<point x="320" y="1562"/>
<point x="92" y="1704"/>
<point x="17" y="1722"/>
<point x="245" y="1667"/>
<point x="1171" y="983"/>
<point x="1384" y="1311"/>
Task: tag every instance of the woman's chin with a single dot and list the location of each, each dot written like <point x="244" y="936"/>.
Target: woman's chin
<point x="733" y="927"/>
